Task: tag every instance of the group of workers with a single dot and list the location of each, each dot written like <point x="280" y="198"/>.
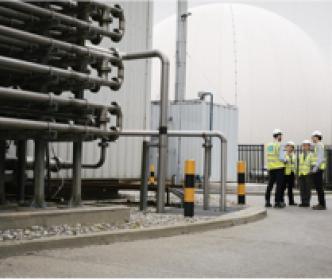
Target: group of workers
<point x="283" y="166"/>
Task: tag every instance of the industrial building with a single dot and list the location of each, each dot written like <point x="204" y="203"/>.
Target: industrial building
<point x="179" y="138"/>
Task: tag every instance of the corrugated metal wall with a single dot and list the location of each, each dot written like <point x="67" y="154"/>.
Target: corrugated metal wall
<point x="124" y="156"/>
<point x="194" y="115"/>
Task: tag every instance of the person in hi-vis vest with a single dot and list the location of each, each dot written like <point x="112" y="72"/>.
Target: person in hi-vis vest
<point x="276" y="167"/>
<point x="319" y="166"/>
<point x="290" y="171"/>
<point x="305" y="165"/>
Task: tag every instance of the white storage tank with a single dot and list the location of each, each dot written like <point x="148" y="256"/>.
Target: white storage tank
<point x="194" y="115"/>
<point x="273" y="69"/>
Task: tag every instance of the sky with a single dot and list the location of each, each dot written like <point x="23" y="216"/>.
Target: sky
<point x="166" y="8"/>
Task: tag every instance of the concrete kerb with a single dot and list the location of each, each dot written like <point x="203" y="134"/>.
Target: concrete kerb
<point x="12" y="248"/>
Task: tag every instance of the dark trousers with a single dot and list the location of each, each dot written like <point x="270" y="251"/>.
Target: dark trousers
<point x="289" y="185"/>
<point x="317" y="180"/>
<point x="305" y="189"/>
<point x="275" y="176"/>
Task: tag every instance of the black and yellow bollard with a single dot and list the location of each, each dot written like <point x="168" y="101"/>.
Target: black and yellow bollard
<point x="189" y="188"/>
<point x="241" y="187"/>
<point x="152" y="179"/>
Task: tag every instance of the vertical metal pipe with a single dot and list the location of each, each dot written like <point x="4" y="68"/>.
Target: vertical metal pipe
<point x="2" y="171"/>
<point x="21" y="153"/>
<point x="76" y="195"/>
<point x="163" y="121"/>
<point x="206" y="172"/>
<point x="222" y="203"/>
<point x="181" y="50"/>
<point x="163" y="138"/>
<point x="145" y="175"/>
<point x="39" y="173"/>
<point x="211" y="112"/>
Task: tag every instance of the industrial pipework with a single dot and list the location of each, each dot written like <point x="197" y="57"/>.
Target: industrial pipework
<point x="45" y="51"/>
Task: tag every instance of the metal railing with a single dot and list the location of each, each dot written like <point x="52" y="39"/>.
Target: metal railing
<point x="253" y="155"/>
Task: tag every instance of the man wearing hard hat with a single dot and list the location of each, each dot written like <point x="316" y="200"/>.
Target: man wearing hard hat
<point x="319" y="165"/>
<point x="305" y="164"/>
<point x="275" y="165"/>
<point x="290" y="170"/>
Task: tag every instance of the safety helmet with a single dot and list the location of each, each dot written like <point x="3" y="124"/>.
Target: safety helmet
<point x="290" y="143"/>
<point x="317" y="133"/>
<point x="276" y="132"/>
<point x="306" y="142"/>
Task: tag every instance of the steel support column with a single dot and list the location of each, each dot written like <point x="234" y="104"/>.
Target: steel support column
<point x="2" y="171"/>
<point x="145" y="175"/>
<point x="21" y="153"/>
<point x="77" y="173"/>
<point x="39" y="173"/>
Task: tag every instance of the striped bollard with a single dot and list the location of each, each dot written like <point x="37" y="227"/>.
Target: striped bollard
<point x="189" y="188"/>
<point x="152" y="179"/>
<point x="241" y="187"/>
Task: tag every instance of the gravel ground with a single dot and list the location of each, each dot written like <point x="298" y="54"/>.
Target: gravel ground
<point x="137" y="220"/>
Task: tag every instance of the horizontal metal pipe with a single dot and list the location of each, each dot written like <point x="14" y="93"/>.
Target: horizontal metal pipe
<point x="56" y="164"/>
<point x="172" y="133"/>
<point x="12" y="123"/>
<point x="15" y="14"/>
<point x="52" y="99"/>
<point x="21" y="124"/>
<point x="21" y="65"/>
<point x="13" y="41"/>
<point x="111" y="55"/>
<point x="45" y="13"/>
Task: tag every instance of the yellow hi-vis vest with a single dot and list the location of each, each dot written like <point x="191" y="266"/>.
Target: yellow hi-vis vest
<point x="272" y="152"/>
<point x="305" y="164"/>
<point x="290" y="165"/>
<point x="322" y="166"/>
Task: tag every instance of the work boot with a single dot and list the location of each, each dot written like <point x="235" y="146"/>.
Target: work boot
<point x="279" y="205"/>
<point x="304" y="205"/>
<point x="268" y="204"/>
<point x="319" y="207"/>
<point x="292" y="204"/>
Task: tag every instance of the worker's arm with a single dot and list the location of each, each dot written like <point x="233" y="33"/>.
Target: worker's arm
<point x="320" y="157"/>
<point x="282" y="153"/>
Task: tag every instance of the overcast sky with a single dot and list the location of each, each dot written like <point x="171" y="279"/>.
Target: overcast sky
<point x="166" y="8"/>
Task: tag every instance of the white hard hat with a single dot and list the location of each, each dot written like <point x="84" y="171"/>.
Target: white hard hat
<point x="317" y="133"/>
<point x="306" y="142"/>
<point x="290" y="143"/>
<point x="276" y="131"/>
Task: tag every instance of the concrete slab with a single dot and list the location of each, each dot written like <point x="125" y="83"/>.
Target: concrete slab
<point x="247" y="215"/>
<point x="49" y="217"/>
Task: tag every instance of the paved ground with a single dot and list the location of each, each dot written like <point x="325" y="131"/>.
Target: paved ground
<point x="292" y="242"/>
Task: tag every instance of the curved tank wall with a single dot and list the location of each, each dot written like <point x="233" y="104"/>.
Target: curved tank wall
<point x="254" y="58"/>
